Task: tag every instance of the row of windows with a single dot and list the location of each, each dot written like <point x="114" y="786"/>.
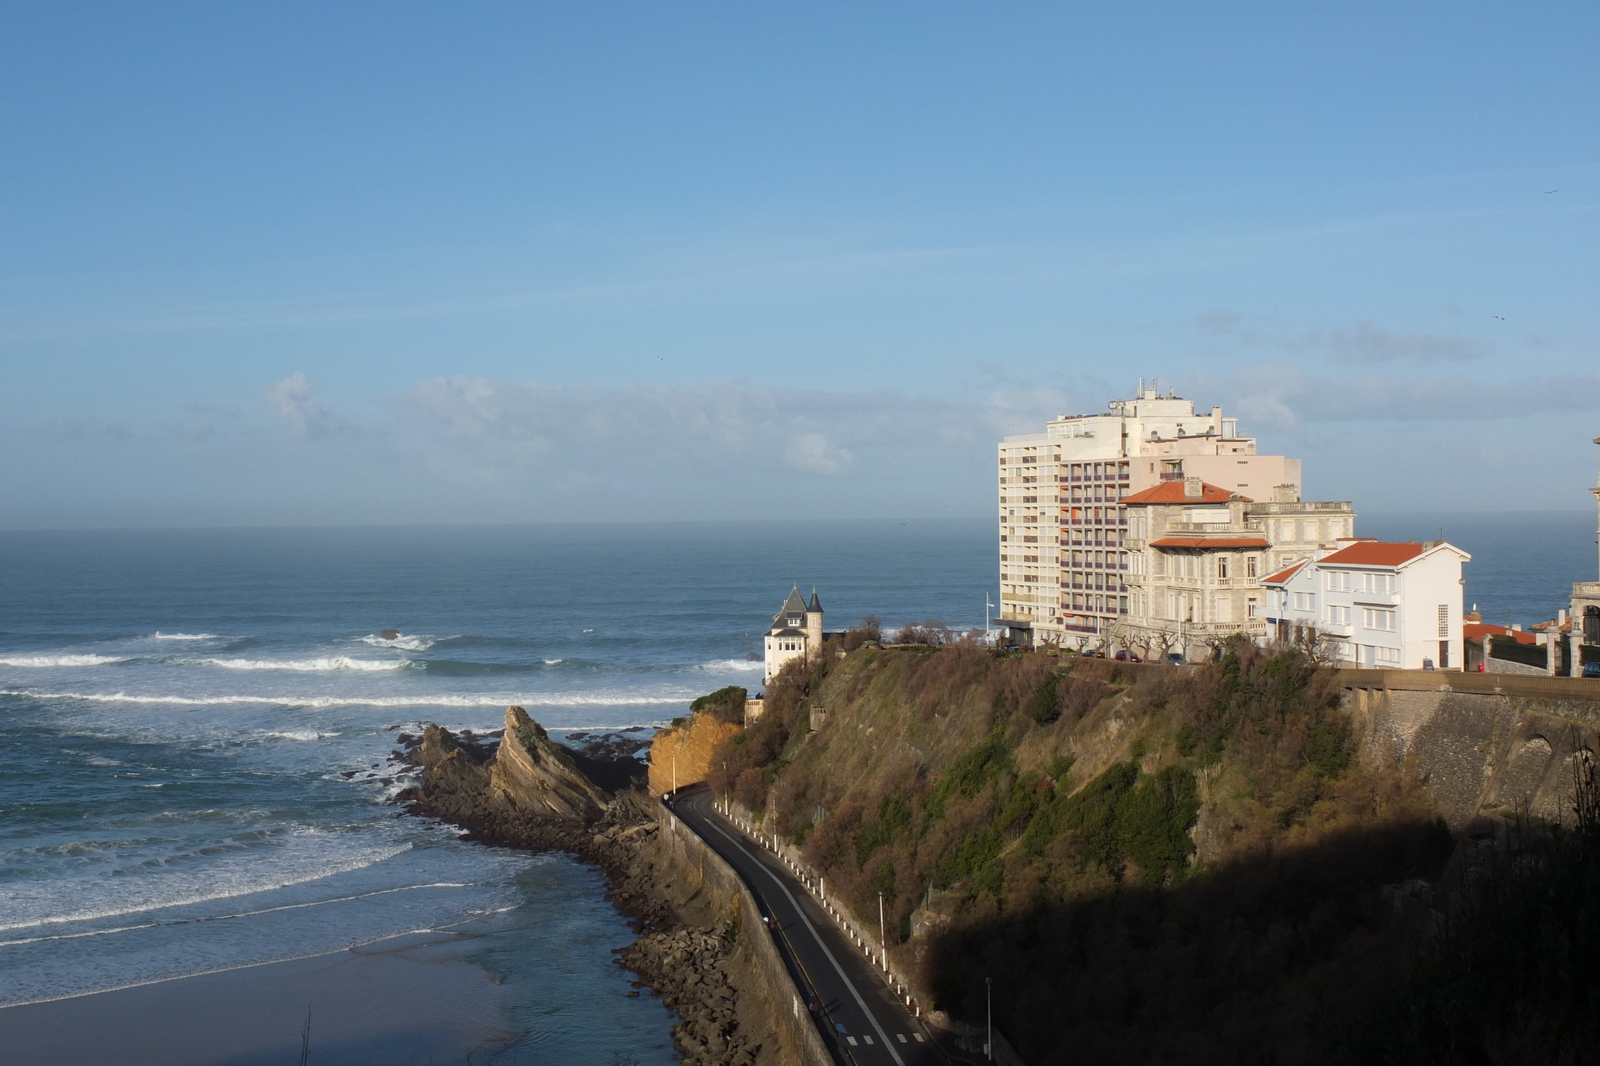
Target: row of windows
<point x="1221" y="566"/>
<point x="1344" y="581"/>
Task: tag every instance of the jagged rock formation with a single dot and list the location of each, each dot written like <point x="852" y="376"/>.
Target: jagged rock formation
<point x="537" y="776"/>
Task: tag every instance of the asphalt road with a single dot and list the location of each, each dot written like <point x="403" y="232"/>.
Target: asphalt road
<point x="860" y="1019"/>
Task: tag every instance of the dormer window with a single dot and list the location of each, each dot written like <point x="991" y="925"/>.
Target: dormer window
<point x="795" y="620"/>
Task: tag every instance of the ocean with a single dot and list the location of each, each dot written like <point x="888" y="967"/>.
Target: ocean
<point x="195" y="726"/>
<point x="195" y="730"/>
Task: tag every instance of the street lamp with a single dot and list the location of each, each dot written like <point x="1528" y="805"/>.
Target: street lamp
<point x="988" y="1003"/>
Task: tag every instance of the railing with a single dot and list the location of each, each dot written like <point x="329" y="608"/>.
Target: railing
<point x="816" y="885"/>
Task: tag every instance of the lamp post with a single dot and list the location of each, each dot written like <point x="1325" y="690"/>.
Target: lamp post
<point x="988" y="1004"/>
<point x="883" y="940"/>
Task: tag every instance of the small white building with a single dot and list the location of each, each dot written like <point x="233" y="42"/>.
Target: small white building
<point x="1374" y="604"/>
<point x="796" y="632"/>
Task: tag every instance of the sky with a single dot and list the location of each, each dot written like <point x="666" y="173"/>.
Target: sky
<point x="347" y="263"/>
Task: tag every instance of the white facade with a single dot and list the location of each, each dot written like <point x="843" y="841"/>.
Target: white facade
<point x="1062" y="530"/>
<point x="796" y="632"/>
<point x="1375" y="605"/>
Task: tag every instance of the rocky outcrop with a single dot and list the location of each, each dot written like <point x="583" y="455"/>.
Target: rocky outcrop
<point x="534" y="794"/>
<point x="688" y="969"/>
<point x="681" y="756"/>
<point x="534" y="775"/>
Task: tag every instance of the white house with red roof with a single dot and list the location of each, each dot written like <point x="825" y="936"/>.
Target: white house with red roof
<point x="1375" y="604"/>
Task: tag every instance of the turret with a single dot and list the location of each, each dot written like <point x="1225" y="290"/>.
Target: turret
<point x="814" y="625"/>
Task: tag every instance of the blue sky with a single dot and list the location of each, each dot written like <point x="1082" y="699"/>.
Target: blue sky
<point x="348" y="263"/>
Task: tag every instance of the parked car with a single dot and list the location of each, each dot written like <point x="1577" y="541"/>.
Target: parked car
<point x="1126" y="656"/>
<point x="1174" y="659"/>
<point x="1591" y="669"/>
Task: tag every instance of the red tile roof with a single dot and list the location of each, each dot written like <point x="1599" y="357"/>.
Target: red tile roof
<point x="1210" y="542"/>
<point x="1283" y="575"/>
<point x="1478" y="630"/>
<point x="1375" y="553"/>
<point x="1172" y="492"/>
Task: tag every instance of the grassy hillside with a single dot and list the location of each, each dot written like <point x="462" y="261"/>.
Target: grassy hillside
<point x="1153" y="864"/>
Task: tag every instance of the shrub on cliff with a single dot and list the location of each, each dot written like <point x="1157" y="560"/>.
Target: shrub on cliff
<point x="725" y="704"/>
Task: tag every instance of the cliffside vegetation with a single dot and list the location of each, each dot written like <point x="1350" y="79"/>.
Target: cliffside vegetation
<point x="1153" y="864"/>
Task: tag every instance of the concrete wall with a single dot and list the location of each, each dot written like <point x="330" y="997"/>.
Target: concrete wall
<point x="718" y="880"/>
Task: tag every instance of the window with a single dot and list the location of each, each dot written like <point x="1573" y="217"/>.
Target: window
<point x="1222" y="567"/>
<point x="1338" y="581"/>
<point x="1337" y="615"/>
<point x="1444" y="621"/>
<point x="1250" y="567"/>
<point x="1378" y="583"/>
<point x="1305" y="601"/>
<point x="1389" y="656"/>
<point x="1252" y="608"/>
<point x="1378" y="618"/>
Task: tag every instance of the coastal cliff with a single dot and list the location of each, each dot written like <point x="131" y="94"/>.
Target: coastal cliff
<point x="681" y="755"/>
<point x="1210" y="864"/>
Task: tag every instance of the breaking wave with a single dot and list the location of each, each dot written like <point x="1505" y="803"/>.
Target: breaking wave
<point x="158" y="635"/>
<point x="254" y="872"/>
<point x="402" y="642"/>
<point x="61" y="660"/>
<point x="732" y="666"/>
<point x="491" y="699"/>
<point x="309" y="666"/>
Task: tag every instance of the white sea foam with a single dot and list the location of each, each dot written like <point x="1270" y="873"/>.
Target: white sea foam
<point x="502" y="699"/>
<point x="61" y="660"/>
<point x="551" y="662"/>
<point x="226" y="917"/>
<point x="413" y="642"/>
<point x="319" y="665"/>
<point x="731" y="666"/>
<point x="301" y="734"/>
<point x="309" y="856"/>
<point x="158" y="635"/>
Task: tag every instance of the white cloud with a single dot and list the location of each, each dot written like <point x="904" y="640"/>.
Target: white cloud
<point x="1363" y="342"/>
<point x="291" y="400"/>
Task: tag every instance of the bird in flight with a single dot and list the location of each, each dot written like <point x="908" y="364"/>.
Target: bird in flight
<point x="1501" y="317"/>
<point x="1547" y="192"/>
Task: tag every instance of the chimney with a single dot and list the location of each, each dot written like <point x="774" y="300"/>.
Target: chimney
<point x="1285" y="493"/>
<point x="1193" y="488"/>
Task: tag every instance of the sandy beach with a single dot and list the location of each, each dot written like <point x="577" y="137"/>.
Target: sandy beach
<point x="413" y="999"/>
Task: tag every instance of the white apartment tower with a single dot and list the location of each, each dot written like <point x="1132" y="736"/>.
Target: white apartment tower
<point x="1063" y="530"/>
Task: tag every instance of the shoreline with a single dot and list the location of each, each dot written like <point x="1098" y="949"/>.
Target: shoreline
<point x="687" y="949"/>
<point x="363" y="1001"/>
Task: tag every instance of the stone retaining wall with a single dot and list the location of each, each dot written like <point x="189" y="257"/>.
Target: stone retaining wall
<point x="717" y="879"/>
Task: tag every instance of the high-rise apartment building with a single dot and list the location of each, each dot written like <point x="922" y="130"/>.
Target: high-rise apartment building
<point x="1063" y="530"/>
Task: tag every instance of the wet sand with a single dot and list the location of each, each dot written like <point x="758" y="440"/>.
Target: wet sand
<point x="413" y="999"/>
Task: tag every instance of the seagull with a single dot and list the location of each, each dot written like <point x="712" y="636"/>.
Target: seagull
<point x="1501" y="317"/>
<point x="1547" y="192"/>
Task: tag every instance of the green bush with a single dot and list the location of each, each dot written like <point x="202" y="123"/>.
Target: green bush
<point x="1044" y="706"/>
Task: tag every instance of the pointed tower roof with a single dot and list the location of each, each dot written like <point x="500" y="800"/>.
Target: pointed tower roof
<point x="795" y="604"/>
<point x="816" y="604"/>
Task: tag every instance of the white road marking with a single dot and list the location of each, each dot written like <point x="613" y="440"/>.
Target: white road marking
<point x="861" y="1002"/>
<point x="868" y="1039"/>
<point x="919" y="1038"/>
<point x="852" y="1040"/>
<point x="902" y="1037"/>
